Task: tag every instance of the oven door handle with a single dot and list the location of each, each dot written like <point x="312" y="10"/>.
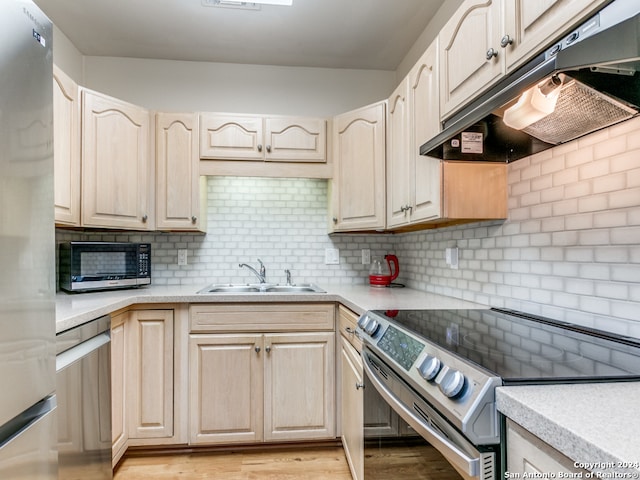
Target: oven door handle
<point x="463" y="463"/>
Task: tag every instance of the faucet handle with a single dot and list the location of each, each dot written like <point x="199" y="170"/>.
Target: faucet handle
<point x="263" y="270"/>
<point x="288" y="275"/>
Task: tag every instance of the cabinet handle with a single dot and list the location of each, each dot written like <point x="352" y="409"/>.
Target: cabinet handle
<point x="506" y="41"/>
<point x="349" y="330"/>
<point x="335" y="219"/>
<point x="194" y="219"/>
<point x="409" y="208"/>
<point x="145" y="218"/>
<point x="268" y="148"/>
<point x="257" y="349"/>
<point x="267" y="349"/>
<point x="491" y="53"/>
<point x="260" y="147"/>
<point x="359" y="385"/>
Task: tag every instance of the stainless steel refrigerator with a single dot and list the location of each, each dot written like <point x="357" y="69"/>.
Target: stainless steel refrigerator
<point x="27" y="239"/>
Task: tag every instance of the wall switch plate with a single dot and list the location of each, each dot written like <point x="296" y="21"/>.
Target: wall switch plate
<point x="366" y="256"/>
<point x="182" y="257"/>
<point x="451" y="257"/>
<point x="331" y="256"/>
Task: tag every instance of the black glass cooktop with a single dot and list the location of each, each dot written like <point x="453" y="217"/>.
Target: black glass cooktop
<point x="525" y="349"/>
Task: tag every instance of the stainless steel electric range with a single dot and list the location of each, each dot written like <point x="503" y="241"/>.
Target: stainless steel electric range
<point x="438" y="371"/>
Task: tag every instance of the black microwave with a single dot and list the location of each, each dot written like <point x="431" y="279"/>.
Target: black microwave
<point x="86" y="266"/>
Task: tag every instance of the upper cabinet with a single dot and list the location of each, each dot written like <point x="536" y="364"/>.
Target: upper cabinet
<point x="116" y="165"/>
<point x="180" y="191"/>
<point x="486" y="39"/>
<point x="469" y="56"/>
<point x="413" y="181"/>
<point x="250" y="137"/>
<point x="358" y="187"/>
<point x="530" y="26"/>
<point x="66" y="148"/>
<point x="269" y="146"/>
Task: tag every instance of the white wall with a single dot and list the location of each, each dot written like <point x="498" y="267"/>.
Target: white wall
<point x="67" y="56"/>
<point x="220" y="87"/>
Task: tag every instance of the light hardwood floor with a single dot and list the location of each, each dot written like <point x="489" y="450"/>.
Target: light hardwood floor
<point x="282" y="464"/>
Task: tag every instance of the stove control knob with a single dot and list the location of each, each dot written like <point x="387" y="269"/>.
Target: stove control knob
<point x="363" y="320"/>
<point x="371" y="327"/>
<point x="452" y="383"/>
<point x="429" y="367"/>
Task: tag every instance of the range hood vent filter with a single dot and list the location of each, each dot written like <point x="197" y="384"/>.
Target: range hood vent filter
<point x="580" y="110"/>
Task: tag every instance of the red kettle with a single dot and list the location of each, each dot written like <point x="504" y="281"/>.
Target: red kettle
<point x="380" y="272"/>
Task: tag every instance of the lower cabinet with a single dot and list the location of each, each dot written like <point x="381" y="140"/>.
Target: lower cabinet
<point x="352" y="408"/>
<point x="527" y="454"/>
<point x="248" y="387"/>
<point x="145" y="358"/>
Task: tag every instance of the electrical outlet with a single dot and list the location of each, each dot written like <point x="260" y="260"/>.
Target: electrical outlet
<point x="182" y="257"/>
<point x="331" y="256"/>
<point x="451" y="257"/>
<point x="366" y="256"/>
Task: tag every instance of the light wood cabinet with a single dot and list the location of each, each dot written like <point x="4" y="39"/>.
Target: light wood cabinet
<point x="150" y="348"/>
<point x="467" y="43"/>
<point x="299" y="386"/>
<point x="251" y="137"/>
<point x="226" y="382"/>
<point x="352" y="408"/>
<point x="119" y="390"/>
<point x="116" y="165"/>
<point x="358" y="185"/>
<point x="526" y="453"/>
<point x="531" y="26"/>
<point x="486" y="39"/>
<point x="253" y="377"/>
<point x="180" y="190"/>
<point x="66" y="149"/>
<point x="413" y="181"/>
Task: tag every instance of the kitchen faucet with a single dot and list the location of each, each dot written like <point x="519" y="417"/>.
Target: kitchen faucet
<point x="262" y="274"/>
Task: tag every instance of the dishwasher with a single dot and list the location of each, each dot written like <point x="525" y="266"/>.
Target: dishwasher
<point x="83" y="378"/>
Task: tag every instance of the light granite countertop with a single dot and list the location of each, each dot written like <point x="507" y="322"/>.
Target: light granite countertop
<point x="595" y="425"/>
<point x="76" y="309"/>
<point x="588" y="423"/>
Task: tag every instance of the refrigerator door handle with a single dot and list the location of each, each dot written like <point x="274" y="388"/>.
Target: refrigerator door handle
<point x="66" y="358"/>
<point x="26" y="419"/>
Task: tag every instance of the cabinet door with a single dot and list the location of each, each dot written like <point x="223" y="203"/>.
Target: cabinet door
<point x="398" y="157"/>
<point x="119" y="392"/>
<point x="299" y="386"/>
<point x="352" y="409"/>
<point x="425" y="114"/>
<point x="66" y="148"/>
<point x="295" y="139"/>
<point x="531" y="26"/>
<point x="178" y="179"/>
<point x="359" y="175"/>
<point x="116" y="168"/>
<point x="231" y="137"/>
<point x="150" y="374"/>
<point x="465" y="41"/>
<point x="225" y="388"/>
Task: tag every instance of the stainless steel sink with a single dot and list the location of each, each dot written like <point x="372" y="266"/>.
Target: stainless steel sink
<point x="261" y="288"/>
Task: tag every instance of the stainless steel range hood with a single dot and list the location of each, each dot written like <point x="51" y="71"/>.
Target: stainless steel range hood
<point x="596" y="70"/>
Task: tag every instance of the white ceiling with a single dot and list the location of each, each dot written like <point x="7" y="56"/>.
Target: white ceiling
<point x="361" y="34"/>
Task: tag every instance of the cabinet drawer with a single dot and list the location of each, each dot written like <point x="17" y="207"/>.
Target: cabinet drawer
<point x="271" y="317"/>
<point x="347" y="322"/>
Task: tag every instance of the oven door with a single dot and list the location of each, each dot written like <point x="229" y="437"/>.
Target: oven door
<point x="404" y="437"/>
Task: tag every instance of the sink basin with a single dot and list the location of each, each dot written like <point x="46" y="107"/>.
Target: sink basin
<point x="261" y="288"/>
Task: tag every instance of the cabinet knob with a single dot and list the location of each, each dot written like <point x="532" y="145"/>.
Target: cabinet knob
<point x="506" y="41"/>
<point x="359" y="385"/>
<point x="257" y="349"/>
<point x="491" y="53"/>
<point x="145" y="218"/>
<point x="335" y="219"/>
<point x="268" y="148"/>
<point x="194" y="219"/>
<point x="267" y="349"/>
<point x="260" y="147"/>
